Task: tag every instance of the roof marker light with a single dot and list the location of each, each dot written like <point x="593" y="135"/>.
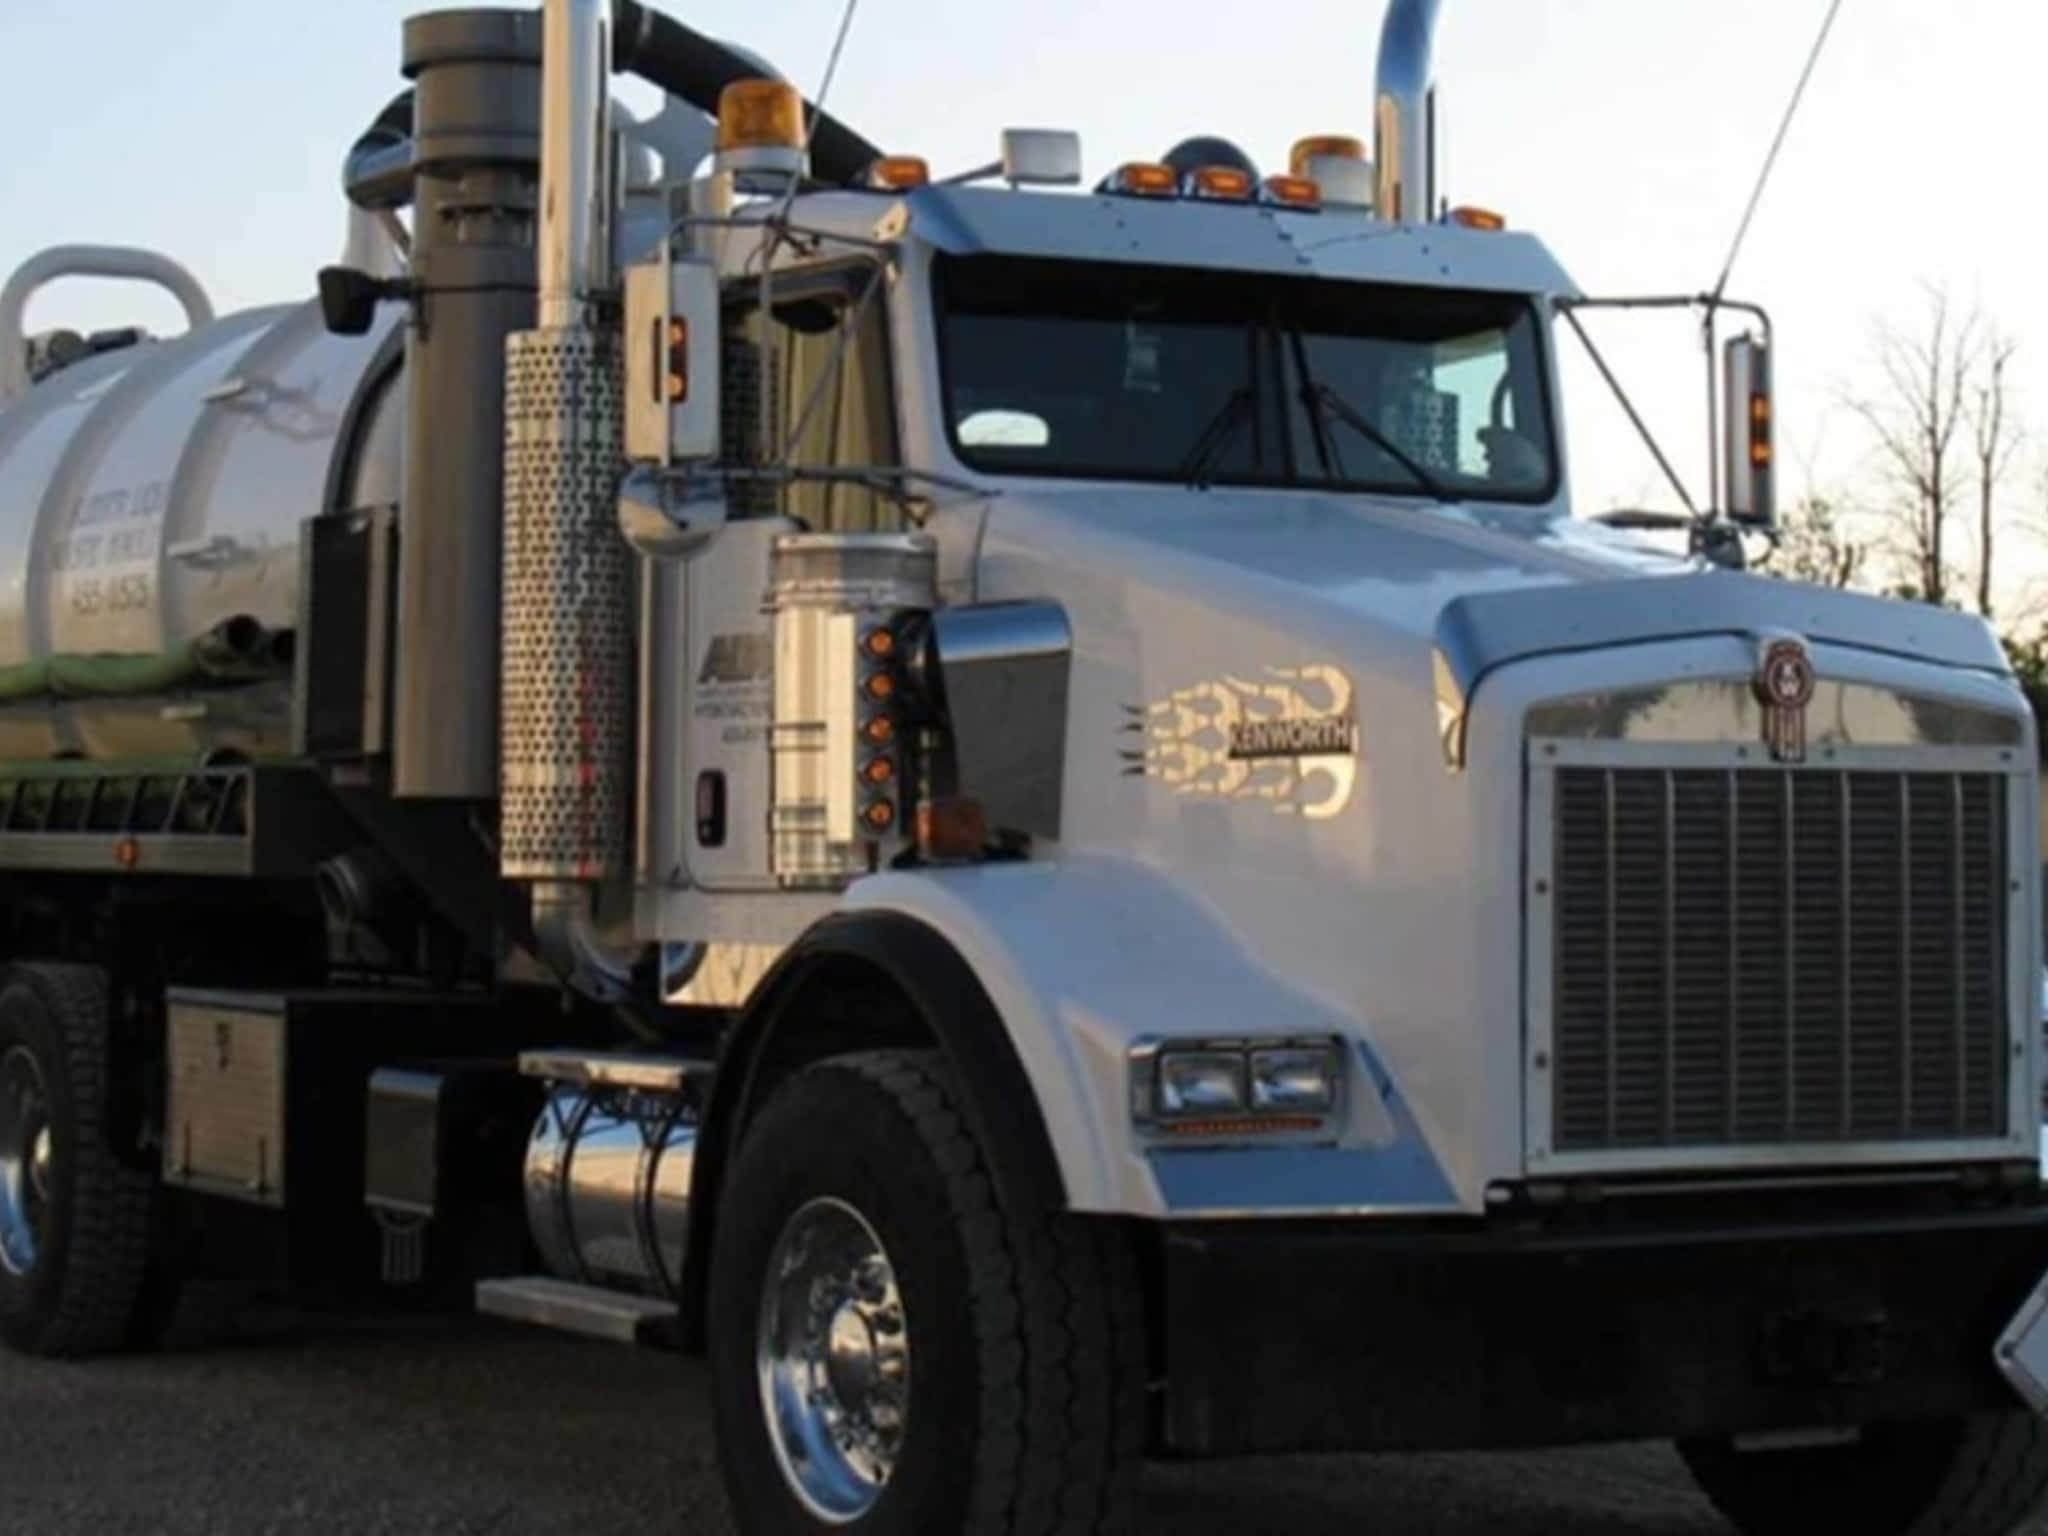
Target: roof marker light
<point x="1143" y="178"/>
<point x="1221" y="183"/>
<point x="1296" y="192"/>
<point x="1477" y="218"/>
<point x="898" y="173"/>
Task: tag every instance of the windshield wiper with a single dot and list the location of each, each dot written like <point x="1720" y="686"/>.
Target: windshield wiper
<point x="1217" y="434"/>
<point x="1321" y="398"/>
<point x="1323" y="401"/>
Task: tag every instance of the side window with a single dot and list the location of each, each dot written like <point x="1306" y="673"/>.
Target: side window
<point x="1490" y="379"/>
<point x="822" y="354"/>
<point x="1471" y="373"/>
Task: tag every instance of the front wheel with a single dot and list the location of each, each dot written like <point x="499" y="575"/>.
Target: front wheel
<point x="1976" y="1476"/>
<point x="895" y="1351"/>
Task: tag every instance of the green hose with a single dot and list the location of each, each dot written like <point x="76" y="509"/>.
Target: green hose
<point x="236" y="650"/>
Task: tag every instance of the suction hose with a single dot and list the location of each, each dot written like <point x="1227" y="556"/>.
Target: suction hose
<point x="695" y="68"/>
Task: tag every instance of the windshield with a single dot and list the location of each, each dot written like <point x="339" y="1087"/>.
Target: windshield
<point x="1162" y="373"/>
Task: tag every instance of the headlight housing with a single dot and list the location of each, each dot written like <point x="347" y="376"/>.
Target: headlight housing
<point x="1201" y="1083"/>
<point x="1295" y="1079"/>
<point x="1223" y="1088"/>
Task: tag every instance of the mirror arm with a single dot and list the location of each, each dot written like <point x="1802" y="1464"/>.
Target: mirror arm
<point x="1569" y="311"/>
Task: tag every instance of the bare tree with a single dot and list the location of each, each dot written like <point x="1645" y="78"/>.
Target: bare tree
<point x="1994" y="442"/>
<point x="1923" y="394"/>
<point x="1814" y="545"/>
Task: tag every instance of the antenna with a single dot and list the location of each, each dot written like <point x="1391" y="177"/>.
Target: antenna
<point x="1771" y="159"/>
<point x="774" y="227"/>
<point x="1711" y="302"/>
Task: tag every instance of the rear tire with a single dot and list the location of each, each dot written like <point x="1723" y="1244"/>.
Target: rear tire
<point x="1977" y="1476"/>
<point x="1012" y="1340"/>
<point x="76" y="1221"/>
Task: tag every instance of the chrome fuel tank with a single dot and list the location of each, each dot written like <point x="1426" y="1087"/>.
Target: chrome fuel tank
<point x="608" y="1186"/>
<point x="149" y="494"/>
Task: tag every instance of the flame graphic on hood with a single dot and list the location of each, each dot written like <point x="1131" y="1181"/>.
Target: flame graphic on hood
<point x="1290" y="741"/>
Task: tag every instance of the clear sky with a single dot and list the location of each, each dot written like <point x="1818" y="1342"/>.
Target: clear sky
<point x="1626" y="132"/>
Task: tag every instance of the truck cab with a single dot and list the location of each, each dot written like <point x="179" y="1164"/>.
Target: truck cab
<point x="1029" y="816"/>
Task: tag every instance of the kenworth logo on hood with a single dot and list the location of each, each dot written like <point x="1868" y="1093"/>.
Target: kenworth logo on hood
<point x="1291" y="741"/>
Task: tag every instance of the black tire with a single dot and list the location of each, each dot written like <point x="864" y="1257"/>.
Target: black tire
<point x="1025" y="1328"/>
<point x="83" y="1293"/>
<point x="1976" y="1476"/>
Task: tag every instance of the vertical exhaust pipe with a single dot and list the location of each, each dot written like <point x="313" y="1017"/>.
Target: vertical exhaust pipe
<point x="575" y="147"/>
<point x="566" y="718"/>
<point x="1404" y="114"/>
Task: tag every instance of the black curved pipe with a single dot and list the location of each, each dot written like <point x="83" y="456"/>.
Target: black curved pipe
<point x="689" y="65"/>
<point x="378" y="171"/>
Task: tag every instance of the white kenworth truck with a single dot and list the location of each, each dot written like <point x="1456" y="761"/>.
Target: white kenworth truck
<point x="1018" y="812"/>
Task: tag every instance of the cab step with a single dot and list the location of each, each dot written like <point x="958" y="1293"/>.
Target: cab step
<point x="588" y="1310"/>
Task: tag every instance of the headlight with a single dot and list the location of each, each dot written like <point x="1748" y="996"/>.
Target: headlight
<point x="1295" y="1080"/>
<point x="1201" y="1083"/>
<point x="1207" y="1088"/>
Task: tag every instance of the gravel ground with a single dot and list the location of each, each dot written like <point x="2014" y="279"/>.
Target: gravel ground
<point x="410" y="1427"/>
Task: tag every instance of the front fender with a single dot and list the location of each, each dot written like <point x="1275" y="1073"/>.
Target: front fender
<point x="1081" y="958"/>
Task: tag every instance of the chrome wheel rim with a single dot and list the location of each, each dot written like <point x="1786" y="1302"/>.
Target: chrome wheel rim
<point x="833" y="1355"/>
<point x="27" y="1161"/>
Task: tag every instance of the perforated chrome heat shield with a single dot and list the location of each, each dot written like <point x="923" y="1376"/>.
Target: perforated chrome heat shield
<point x="566" y="718"/>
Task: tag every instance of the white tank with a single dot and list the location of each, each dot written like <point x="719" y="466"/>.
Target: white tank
<point x="150" y="494"/>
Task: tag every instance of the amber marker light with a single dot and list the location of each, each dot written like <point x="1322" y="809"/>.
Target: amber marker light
<point x="1144" y="178"/>
<point x="899" y="173"/>
<point x="1478" y="218"/>
<point x="1221" y="184"/>
<point x="1292" y="192"/>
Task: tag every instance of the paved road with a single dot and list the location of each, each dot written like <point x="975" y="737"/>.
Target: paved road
<point x="408" y="1428"/>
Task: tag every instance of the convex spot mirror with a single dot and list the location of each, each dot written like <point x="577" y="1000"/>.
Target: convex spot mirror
<point x="665" y="520"/>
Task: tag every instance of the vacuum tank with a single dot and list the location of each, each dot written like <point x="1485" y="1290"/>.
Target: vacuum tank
<point x="151" y="498"/>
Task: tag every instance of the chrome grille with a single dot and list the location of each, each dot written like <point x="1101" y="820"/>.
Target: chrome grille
<point x="1776" y="955"/>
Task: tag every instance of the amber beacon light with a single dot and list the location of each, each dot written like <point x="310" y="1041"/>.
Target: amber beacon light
<point x="761" y="128"/>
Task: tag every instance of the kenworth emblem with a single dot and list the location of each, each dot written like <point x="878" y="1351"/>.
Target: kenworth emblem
<point x="1289" y="738"/>
<point x="1784" y="686"/>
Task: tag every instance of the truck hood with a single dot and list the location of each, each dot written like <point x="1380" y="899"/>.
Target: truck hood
<point x="1480" y="584"/>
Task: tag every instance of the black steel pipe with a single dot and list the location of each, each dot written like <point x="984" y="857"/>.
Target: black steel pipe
<point x="689" y="65"/>
<point x="378" y="171"/>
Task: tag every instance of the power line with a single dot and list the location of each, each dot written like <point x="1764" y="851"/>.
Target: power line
<point x="1771" y="159"/>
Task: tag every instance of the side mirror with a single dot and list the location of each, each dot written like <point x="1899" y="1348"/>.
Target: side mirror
<point x="1746" y="451"/>
<point x="672" y="361"/>
<point x="661" y="518"/>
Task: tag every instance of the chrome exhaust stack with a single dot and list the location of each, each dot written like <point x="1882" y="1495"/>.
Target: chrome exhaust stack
<point x="1404" y="114"/>
<point x="566" y="720"/>
<point x="575" y="155"/>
